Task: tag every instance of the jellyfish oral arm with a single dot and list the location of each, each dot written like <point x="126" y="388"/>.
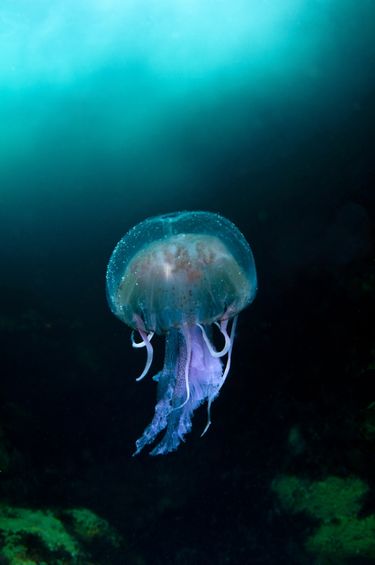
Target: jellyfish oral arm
<point x="192" y="374"/>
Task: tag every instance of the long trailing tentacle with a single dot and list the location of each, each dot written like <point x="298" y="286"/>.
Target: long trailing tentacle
<point x="146" y="342"/>
<point x="230" y="338"/>
<point x="223" y="329"/>
<point x="187" y="337"/>
<point x="227" y="366"/>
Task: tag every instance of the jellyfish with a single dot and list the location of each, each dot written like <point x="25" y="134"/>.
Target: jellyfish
<point x="184" y="276"/>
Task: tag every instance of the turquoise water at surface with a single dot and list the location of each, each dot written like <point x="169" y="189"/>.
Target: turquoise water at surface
<point x="113" y="111"/>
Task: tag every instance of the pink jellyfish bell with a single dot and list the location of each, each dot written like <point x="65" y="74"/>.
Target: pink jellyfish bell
<point x="179" y="275"/>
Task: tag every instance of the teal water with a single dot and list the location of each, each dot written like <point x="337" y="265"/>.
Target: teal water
<point x="114" y="111"/>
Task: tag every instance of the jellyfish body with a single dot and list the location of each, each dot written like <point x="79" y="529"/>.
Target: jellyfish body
<point x="179" y="275"/>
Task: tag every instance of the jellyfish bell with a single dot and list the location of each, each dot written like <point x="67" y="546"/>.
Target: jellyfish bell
<point x="184" y="279"/>
<point x="179" y="275"/>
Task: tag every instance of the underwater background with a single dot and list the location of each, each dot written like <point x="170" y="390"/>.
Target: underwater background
<point x="112" y="111"/>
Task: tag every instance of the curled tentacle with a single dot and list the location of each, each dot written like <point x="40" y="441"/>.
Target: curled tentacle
<point x="146" y="342"/>
<point x="223" y="329"/>
<point x="231" y="338"/>
<point x="138" y="344"/>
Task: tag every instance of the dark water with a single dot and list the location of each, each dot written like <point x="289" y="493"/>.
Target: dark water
<point x="114" y="112"/>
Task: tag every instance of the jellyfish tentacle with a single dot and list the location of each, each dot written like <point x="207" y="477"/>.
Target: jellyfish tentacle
<point x="227" y="349"/>
<point x="138" y="344"/>
<point x="223" y="329"/>
<point x="187" y="337"/>
<point x="208" y="417"/>
<point x="227" y="366"/>
<point x="146" y="340"/>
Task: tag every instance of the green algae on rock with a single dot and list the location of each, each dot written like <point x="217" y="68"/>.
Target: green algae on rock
<point x="88" y="526"/>
<point x="38" y="537"/>
<point x="344" y="540"/>
<point x="335" y="503"/>
<point x="326" y="500"/>
<point x="34" y="536"/>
